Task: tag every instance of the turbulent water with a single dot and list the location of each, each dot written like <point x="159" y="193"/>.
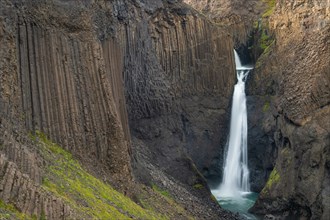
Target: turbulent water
<point x="234" y="191"/>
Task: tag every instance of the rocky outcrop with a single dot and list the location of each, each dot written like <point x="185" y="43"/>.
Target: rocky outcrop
<point x="295" y="71"/>
<point x="237" y="16"/>
<point x="262" y="149"/>
<point x="21" y="177"/>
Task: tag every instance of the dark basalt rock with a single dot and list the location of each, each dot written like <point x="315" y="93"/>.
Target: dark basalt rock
<point x="262" y="150"/>
<point x="124" y="86"/>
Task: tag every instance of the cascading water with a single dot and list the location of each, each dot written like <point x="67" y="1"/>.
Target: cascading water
<point x="234" y="191"/>
<point x="236" y="173"/>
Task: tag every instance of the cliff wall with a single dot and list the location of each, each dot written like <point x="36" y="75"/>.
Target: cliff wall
<point x="293" y="75"/>
<point x="241" y="19"/>
<point x="288" y="102"/>
<point x="237" y="17"/>
<point x="62" y="86"/>
<point x="125" y="87"/>
<point x="178" y="76"/>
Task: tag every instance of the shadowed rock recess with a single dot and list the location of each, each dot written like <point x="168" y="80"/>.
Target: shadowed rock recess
<point x="136" y="91"/>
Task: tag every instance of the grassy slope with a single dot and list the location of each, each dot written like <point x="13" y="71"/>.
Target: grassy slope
<point x="93" y="199"/>
<point x="8" y="211"/>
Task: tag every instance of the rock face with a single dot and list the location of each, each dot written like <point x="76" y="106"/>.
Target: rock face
<point x="237" y="16"/>
<point x="61" y="86"/>
<point x="178" y="79"/>
<point x="262" y="149"/>
<point x="294" y="75"/>
<point x="21" y="177"/>
<point x="288" y="106"/>
<point x="132" y="88"/>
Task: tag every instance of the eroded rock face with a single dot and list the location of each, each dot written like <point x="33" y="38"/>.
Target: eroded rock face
<point x="296" y="71"/>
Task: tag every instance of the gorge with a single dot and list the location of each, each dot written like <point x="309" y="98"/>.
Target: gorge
<point x="234" y="191"/>
<point x="121" y="109"/>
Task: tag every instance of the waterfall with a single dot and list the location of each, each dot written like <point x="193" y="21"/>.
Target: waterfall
<point x="236" y="173"/>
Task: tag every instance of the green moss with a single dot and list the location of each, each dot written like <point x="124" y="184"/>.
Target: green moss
<point x="265" y="40"/>
<point x="198" y="186"/>
<point x="90" y="197"/>
<point x="270" y="8"/>
<point x="265" y="108"/>
<point x="273" y="178"/>
<point x="213" y="198"/>
<point x="265" y="54"/>
<point x="43" y="216"/>
<point x="8" y="211"/>
<point x="161" y="191"/>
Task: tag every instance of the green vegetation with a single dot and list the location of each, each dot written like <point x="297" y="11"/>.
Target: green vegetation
<point x="198" y="186"/>
<point x="214" y="199"/>
<point x="159" y="199"/>
<point x="270" y="8"/>
<point x="265" y="40"/>
<point x="262" y="38"/>
<point x="87" y="195"/>
<point x="161" y="191"/>
<point x="273" y="178"/>
<point x="8" y="211"/>
<point x="265" y="108"/>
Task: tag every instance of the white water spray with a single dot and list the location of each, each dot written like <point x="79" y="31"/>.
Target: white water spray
<point x="235" y="179"/>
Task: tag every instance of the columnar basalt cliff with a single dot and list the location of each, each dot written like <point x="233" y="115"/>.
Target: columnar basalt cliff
<point x="178" y="78"/>
<point x="293" y="74"/>
<point x="125" y="87"/>
<point x="63" y="89"/>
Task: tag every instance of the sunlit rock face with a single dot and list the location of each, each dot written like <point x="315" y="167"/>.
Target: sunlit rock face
<point x="295" y="75"/>
<point x="237" y="16"/>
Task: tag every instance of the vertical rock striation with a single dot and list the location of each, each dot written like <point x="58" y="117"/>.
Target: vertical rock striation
<point x="67" y="89"/>
<point x="179" y="74"/>
<point x="111" y="82"/>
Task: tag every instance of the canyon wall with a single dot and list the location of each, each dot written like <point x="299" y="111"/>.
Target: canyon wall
<point x="59" y="84"/>
<point x="135" y="90"/>
<point x="288" y="102"/>
<point x="179" y="76"/>
<point x="239" y="18"/>
<point x="292" y="76"/>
